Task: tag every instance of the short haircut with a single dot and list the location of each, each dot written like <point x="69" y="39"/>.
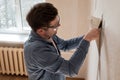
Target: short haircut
<point x="41" y="15"/>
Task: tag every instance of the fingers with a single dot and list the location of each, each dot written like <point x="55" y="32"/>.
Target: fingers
<point x="93" y="34"/>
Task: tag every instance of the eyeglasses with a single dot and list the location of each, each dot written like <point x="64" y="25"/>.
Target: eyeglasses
<point x="54" y="27"/>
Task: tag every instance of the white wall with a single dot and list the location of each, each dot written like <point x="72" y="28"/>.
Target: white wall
<point x="110" y="49"/>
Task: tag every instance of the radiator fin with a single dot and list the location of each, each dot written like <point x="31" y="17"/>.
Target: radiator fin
<point x="12" y="61"/>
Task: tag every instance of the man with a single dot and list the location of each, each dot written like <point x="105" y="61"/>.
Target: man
<point x="41" y="50"/>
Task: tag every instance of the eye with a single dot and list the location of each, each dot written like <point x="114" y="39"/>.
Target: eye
<point x="54" y="26"/>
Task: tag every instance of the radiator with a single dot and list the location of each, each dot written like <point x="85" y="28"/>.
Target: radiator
<point x="12" y="61"/>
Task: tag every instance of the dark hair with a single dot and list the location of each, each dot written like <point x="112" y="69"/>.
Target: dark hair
<point x="40" y="15"/>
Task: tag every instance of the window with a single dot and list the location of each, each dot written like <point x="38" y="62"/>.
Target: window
<point x="13" y="15"/>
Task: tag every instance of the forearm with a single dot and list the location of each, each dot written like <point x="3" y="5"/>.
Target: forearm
<point x="79" y="55"/>
<point x="72" y="66"/>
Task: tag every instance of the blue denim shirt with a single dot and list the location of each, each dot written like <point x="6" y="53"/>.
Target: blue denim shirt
<point x="43" y="61"/>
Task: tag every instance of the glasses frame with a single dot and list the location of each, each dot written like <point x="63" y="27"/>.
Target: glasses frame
<point x="52" y="27"/>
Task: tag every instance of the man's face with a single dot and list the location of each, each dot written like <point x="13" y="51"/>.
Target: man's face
<point x="53" y="27"/>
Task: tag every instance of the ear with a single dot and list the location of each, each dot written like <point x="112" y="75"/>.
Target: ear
<point x="40" y="31"/>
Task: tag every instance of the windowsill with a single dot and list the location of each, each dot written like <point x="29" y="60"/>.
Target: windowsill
<point x="14" y="40"/>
